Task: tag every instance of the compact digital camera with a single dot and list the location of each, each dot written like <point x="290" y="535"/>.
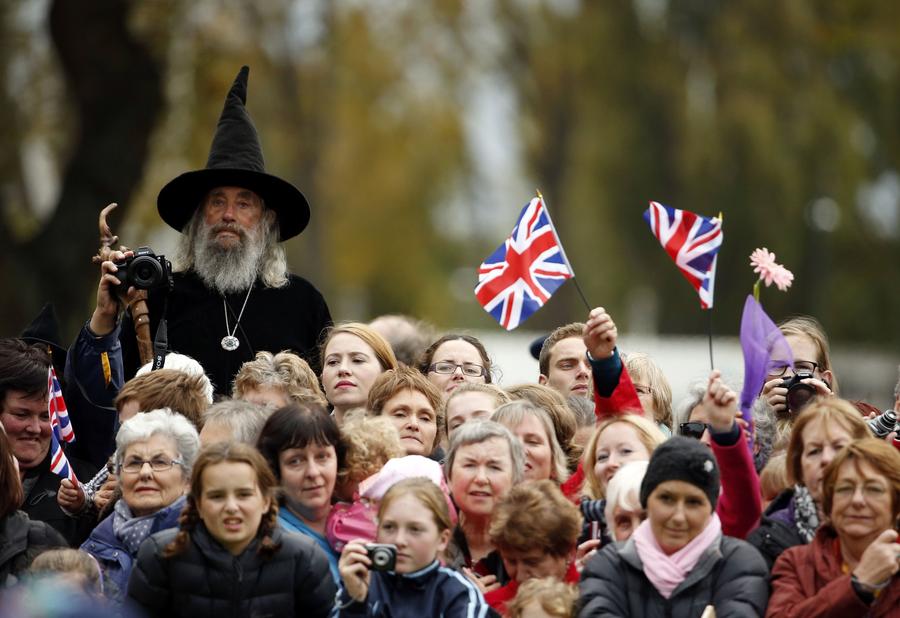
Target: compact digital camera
<point x="884" y="423"/>
<point x="145" y="271"/>
<point x="383" y="556"/>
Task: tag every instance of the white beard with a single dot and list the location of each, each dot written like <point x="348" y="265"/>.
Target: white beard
<point x="228" y="269"/>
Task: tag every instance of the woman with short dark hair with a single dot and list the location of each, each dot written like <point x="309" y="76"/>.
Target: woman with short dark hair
<point x="303" y="446"/>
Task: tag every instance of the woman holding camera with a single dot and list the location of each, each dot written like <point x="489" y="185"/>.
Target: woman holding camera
<point x="230" y="556"/>
<point x="402" y="576"/>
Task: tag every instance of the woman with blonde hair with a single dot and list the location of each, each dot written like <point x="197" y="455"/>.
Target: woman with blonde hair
<point x="652" y="387"/>
<point x="794" y="516"/>
<point x="471" y="401"/>
<point x="851" y="566"/>
<point x="353" y="356"/>
<point x="552" y="402"/>
<point x="544" y="458"/>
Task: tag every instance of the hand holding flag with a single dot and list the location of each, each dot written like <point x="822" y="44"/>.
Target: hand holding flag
<point x="524" y="272"/>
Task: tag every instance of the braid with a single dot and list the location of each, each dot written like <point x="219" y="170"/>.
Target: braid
<point x="187" y="521"/>
<point x="267" y="546"/>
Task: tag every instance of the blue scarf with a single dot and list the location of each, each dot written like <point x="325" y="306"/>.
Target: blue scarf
<point x="292" y="523"/>
<point x="132" y="531"/>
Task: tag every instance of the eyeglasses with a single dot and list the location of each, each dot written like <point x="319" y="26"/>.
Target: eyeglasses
<point x="157" y="464"/>
<point x="780" y="370"/>
<point x="469" y="369"/>
<point x="693" y="429"/>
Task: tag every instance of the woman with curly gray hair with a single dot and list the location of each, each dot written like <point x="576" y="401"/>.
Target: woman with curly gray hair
<point x="154" y="456"/>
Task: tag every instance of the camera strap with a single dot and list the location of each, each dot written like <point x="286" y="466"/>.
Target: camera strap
<point x="161" y="340"/>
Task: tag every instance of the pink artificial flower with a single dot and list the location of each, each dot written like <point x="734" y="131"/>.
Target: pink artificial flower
<point x="782" y="277"/>
<point x="769" y="271"/>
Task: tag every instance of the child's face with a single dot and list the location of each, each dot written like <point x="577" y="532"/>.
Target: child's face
<point x="410" y="525"/>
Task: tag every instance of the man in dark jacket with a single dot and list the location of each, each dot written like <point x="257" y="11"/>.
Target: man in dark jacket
<point x="232" y="294"/>
<point x="26" y="420"/>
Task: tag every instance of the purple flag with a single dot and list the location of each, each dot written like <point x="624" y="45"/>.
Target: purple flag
<point x="765" y="349"/>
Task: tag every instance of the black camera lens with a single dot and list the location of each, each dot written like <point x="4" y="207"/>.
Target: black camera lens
<point x="145" y="272"/>
<point x="798" y="396"/>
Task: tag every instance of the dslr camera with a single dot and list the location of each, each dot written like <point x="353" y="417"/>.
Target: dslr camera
<point x="145" y="271"/>
<point x="382" y="555"/>
<point x="798" y="394"/>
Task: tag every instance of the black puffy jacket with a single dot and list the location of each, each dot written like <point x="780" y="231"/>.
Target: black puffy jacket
<point x="206" y="580"/>
<point x="774" y="534"/>
<point x="730" y="575"/>
<point x="21" y="539"/>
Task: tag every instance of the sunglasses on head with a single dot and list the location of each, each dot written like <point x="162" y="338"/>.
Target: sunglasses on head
<point x="693" y="429"/>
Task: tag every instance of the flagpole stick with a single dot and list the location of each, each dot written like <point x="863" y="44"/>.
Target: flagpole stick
<point x="581" y="294"/>
<point x="563" y="253"/>
<point x="712" y="365"/>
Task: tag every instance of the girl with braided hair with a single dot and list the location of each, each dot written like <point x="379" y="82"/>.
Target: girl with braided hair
<point x="230" y="557"/>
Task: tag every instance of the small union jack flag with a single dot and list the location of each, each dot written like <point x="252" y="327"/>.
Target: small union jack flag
<point x="524" y="272"/>
<point x="692" y="241"/>
<point x="61" y="428"/>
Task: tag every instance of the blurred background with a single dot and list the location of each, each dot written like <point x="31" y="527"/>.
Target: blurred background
<point x="419" y="128"/>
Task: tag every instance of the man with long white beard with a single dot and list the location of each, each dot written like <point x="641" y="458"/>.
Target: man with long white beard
<point x="233" y="295"/>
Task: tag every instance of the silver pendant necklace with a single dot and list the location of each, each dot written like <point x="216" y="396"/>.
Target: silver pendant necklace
<point x="229" y="342"/>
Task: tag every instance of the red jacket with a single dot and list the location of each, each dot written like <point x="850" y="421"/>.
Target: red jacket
<point x="623" y="400"/>
<point x="740" y="503"/>
<point x="808" y="581"/>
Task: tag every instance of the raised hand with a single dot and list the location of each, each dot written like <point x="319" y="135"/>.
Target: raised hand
<point x="600" y="334"/>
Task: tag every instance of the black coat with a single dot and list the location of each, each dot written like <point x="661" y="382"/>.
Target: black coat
<point x="275" y="319"/>
<point x="206" y="580"/>
<point x="21" y="539"/>
<point x="41" y="505"/>
<point x="773" y="535"/>
<point x="731" y="575"/>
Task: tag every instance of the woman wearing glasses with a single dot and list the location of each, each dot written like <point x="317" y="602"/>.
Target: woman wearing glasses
<point x="454" y="359"/>
<point x="154" y="455"/>
<point x="793" y="517"/>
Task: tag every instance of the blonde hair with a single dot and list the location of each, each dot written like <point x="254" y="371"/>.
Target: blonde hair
<point x="63" y="561"/>
<point x="369" y="442"/>
<point x="553" y="403"/>
<point x="809" y="327"/>
<point x="513" y="413"/>
<point x="830" y="411"/>
<point x="284" y="370"/>
<point x="644" y="370"/>
<point x="773" y="478"/>
<point x="556" y="598"/>
<point x="648" y="433"/>
<point x="426" y="492"/>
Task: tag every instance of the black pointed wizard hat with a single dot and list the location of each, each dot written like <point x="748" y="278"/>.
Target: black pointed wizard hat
<point x="44" y="331"/>
<point x="235" y="160"/>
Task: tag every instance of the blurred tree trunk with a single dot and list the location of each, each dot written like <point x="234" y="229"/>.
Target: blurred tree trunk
<point x="115" y="89"/>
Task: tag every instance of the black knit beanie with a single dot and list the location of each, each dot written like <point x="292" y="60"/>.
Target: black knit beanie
<point x="682" y="459"/>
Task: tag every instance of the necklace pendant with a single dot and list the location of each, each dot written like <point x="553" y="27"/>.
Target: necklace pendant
<point x="230" y="343"/>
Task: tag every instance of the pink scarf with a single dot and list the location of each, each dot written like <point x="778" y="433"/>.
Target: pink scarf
<point x="665" y="572"/>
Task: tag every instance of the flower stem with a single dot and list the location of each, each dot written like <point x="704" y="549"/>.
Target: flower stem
<point x="756" y="290"/>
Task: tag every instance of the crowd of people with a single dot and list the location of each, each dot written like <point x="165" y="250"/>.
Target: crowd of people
<point x="274" y="464"/>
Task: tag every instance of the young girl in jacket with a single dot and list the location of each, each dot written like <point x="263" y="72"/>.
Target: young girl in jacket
<point x="414" y="518"/>
<point x="230" y="557"/>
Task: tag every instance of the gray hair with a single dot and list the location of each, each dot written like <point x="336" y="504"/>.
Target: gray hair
<point x="184" y="364"/>
<point x="681" y="413"/>
<point x="243" y="418"/>
<point x="583" y="409"/>
<point x="478" y="431"/>
<point x="272" y="267"/>
<point x="513" y="413"/>
<point x="160" y="422"/>
<point x="624" y="490"/>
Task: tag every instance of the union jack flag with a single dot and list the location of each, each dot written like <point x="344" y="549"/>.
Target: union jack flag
<point x="692" y="241"/>
<point x="61" y="428"/>
<point x="524" y="272"/>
